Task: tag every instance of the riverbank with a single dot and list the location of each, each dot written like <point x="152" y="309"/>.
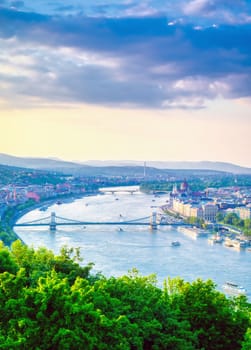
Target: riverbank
<point x="13" y="214"/>
<point x="116" y="252"/>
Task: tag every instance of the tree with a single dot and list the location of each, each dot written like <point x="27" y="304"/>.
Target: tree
<point x="219" y="216"/>
<point x="6" y="260"/>
<point x="50" y="302"/>
<point x="217" y="322"/>
<point x="67" y="263"/>
<point x="246" y="345"/>
<point x="231" y="218"/>
<point x="148" y="321"/>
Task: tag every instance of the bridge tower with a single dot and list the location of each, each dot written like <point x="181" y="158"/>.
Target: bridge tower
<point x="53" y="221"/>
<point x="153" y="221"/>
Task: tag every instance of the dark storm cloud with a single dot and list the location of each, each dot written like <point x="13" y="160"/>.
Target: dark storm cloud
<point x="156" y="64"/>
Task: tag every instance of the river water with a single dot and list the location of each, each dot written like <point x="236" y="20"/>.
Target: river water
<point x="115" y="252"/>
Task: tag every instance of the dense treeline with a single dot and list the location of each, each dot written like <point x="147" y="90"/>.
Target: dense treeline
<point x="53" y="302"/>
<point x="233" y="219"/>
<point x="25" y="176"/>
<point x="7" y="235"/>
<point x="9" y="216"/>
<point x="199" y="183"/>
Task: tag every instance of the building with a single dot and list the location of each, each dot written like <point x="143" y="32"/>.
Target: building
<point x="243" y="212"/>
<point x="205" y="211"/>
<point x="209" y="212"/>
<point x="196" y="212"/>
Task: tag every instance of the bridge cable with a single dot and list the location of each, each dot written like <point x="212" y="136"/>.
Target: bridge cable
<point x="37" y="220"/>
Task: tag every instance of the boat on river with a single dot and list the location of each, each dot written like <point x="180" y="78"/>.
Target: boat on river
<point x="193" y="232"/>
<point x="233" y="289"/>
<point x="216" y="239"/>
<point x="240" y="244"/>
<point x="175" y="244"/>
<point x="44" y="208"/>
<point x="136" y="246"/>
<point x="228" y="242"/>
<point x="235" y="243"/>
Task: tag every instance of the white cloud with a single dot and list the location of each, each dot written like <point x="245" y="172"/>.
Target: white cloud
<point x="184" y="103"/>
<point x="195" y="6"/>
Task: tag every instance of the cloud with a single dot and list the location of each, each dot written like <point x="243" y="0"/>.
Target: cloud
<point x="17" y="4"/>
<point x="132" y="61"/>
<point x="222" y="11"/>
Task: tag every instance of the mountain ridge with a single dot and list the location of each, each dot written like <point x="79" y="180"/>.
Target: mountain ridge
<point x="62" y="165"/>
<point x="178" y="165"/>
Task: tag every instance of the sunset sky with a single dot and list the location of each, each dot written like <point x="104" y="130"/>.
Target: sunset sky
<point x="120" y="80"/>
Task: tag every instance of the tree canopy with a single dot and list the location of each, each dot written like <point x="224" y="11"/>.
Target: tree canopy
<point x="55" y="302"/>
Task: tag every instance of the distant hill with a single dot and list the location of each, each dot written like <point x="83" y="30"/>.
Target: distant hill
<point x="117" y="168"/>
<point x="178" y="165"/>
<point x="36" y="163"/>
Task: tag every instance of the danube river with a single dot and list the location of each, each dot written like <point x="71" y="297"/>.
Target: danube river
<point x="117" y="249"/>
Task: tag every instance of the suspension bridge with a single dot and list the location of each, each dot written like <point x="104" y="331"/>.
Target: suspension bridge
<point x="53" y="221"/>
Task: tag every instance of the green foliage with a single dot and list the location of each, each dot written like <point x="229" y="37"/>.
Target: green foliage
<point x="218" y="322"/>
<point x="39" y="262"/>
<point x="7" y="237"/>
<point x="52" y="302"/>
<point x="199" y="183"/>
<point x="6" y="260"/>
<point x="199" y="222"/>
<point x="246" y="345"/>
<point x="23" y="176"/>
<point x="232" y="219"/>
<point x="219" y="216"/>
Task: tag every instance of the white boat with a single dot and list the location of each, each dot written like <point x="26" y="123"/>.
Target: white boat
<point x="228" y="242"/>
<point x="233" y="289"/>
<point x="235" y="243"/>
<point x="240" y="244"/>
<point x="194" y="232"/>
<point x="216" y="239"/>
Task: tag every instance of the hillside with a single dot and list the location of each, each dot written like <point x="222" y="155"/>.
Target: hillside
<point x="36" y="163"/>
<point x="53" y="302"/>
<point x="184" y="165"/>
<point x="121" y="168"/>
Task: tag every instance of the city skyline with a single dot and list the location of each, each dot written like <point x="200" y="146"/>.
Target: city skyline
<point x="155" y="80"/>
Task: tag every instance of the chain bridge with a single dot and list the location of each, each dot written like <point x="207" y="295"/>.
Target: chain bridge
<point x="53" y="221"/>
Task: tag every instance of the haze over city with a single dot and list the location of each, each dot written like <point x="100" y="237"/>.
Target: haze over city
<point x="149" y="80"/>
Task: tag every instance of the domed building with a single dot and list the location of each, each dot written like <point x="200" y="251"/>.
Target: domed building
<point x="184" y="187"/>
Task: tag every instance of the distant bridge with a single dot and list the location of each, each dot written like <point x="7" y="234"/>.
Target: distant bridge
<point x="53" y="221"/>
<point x="113" y="191"/>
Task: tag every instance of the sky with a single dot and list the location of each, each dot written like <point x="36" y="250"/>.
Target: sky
<point x="126" y="80"/>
